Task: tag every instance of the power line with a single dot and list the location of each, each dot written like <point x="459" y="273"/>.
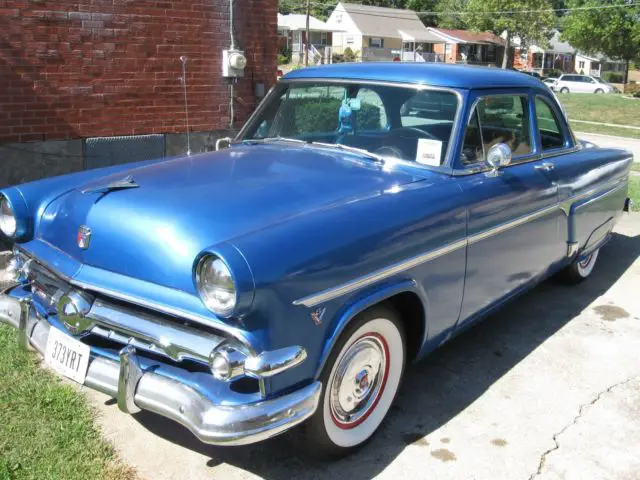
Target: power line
<point x="367" y="12"/>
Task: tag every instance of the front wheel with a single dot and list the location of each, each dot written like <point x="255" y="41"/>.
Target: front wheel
<point x="580" y="268"/>
<point x="599" y="90"/>
<point x="359" y="382"/>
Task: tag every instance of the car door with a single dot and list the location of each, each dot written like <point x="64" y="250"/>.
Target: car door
<point x="513" y="219"/>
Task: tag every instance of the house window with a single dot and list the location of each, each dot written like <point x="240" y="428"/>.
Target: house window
<point x="491" y="53"/>
<point x="581" y="64"/>
<point x="447" y="49"/>
<point x="323" y="38"/>
<point x="376" y="42"/>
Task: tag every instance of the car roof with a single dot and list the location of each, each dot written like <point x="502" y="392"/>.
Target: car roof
<point x="436" y="74"/>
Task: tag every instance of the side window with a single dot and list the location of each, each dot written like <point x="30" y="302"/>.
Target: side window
<point x="497" y="119"/>
<point x="551" y="135"/>
<point x="505" y="119"/>
<point x="472" y="147"/>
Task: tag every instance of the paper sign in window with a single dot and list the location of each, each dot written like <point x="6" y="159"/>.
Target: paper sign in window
<point x="429" y="152"/>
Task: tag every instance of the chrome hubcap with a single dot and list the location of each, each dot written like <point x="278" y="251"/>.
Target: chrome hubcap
<point x="358" y="380"/>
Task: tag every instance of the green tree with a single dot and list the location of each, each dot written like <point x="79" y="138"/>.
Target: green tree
<point x="525" y="19"/>
<point x="448" y="14"/>
<point x="614" y="32"/>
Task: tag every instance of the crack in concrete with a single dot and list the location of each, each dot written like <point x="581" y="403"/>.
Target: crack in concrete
<point x="581" y="412"/>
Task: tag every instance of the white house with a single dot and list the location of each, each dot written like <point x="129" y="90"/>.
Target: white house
<point x="379" y="33"/>
<point x="292" y="33"/>
<point x="597" y="64"/>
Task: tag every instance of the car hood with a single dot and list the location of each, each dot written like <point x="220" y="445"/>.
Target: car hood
<point x="181" y="206"/>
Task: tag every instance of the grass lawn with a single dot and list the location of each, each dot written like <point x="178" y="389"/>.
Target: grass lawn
<point x="46" y="426"/>
<point x="618" y="132"/>
<point x="634" y="191"/>
<point x="601" y="108"/>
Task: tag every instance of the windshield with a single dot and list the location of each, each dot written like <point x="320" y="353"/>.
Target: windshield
<point x="385" y="121"/>
<point x="599" y="80"/>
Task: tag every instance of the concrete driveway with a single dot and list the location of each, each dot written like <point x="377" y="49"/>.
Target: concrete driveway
<point x="548" y="388"/>
<point x="609" y="141"/>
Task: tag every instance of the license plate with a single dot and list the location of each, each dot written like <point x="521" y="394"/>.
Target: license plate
<point x="67" y="355"/>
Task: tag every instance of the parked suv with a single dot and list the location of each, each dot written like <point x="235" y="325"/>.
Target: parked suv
<point x="582" y="84"/>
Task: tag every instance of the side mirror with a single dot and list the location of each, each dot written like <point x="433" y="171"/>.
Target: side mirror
<point x="223" y="143"/>
<point x="498" y="156"/>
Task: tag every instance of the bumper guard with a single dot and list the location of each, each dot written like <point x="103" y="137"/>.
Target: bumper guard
<point x="136" y="389"/>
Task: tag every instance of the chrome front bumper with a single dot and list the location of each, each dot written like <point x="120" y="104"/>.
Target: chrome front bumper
<point x="138" y="389"/>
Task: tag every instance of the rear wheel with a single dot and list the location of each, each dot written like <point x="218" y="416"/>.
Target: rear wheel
<point x="599" y="90"/>
<point x="359" y="382"/>
<point x="564" y="90"/>
<point x="580" y="269"/>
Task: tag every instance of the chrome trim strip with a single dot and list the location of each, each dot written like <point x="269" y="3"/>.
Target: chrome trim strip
<point x="352" y="286"/>
<point x="172" y="339"/>
<point x="512" y="224"/>
<point x="600" y="196"/>
<point x="446" y="165"/>
<point x="371" y="278"/>
<point x="566" y="204"/>
<point x="206" y="321"/>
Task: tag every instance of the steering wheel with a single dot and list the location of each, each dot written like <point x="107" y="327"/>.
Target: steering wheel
<point x="415" y="131"/>
<point x="389" y="151"/>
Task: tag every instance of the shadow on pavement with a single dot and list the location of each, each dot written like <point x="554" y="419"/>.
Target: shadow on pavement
<point x="439" y="387"/>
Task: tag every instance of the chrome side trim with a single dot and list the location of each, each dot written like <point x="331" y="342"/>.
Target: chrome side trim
<point x="602" y="190"/>
<point x="371" y="278"/>
<point x="512" y="224"/>
<point x="352" y="286"/>
<point x="600" y="196"/>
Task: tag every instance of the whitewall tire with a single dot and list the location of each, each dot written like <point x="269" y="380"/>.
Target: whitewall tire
<point x="359" y="383"/>
<point x="581" y="268"/>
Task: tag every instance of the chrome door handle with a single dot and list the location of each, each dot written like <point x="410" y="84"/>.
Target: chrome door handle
<point x="546" y="167"/>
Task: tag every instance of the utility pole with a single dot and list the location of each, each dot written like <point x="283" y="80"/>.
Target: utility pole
<point x="306" y="44"/>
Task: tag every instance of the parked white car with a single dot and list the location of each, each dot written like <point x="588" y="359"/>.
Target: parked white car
<point x="581" y="84"/>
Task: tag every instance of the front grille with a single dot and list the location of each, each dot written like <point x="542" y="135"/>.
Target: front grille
<point x="125" y="324"/>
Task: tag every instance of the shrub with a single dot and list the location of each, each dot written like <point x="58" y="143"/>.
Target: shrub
<point x="337" y="58"/>
<point x="613" y="77"/>
<point x="321" y="115"/>
<point x="554" y="73"/>
<point x="349" y="55"/>
<point x="282" y="59"/>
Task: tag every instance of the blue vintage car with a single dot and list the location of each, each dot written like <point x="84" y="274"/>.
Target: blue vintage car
<point x="364" y="215"/>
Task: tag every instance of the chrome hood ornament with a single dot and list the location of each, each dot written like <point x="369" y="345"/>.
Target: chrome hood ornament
<point x="123" y="184"/>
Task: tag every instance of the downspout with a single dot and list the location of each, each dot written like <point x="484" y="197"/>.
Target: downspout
<point x="231" y="83"/>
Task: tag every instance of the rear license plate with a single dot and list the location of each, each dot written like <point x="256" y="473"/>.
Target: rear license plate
<point x="67" y="355"/>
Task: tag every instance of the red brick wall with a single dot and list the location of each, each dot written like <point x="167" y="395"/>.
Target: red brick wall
<point x="75" y="69"/>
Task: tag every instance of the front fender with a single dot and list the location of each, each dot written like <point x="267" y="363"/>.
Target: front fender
<point x="368" y="298"/>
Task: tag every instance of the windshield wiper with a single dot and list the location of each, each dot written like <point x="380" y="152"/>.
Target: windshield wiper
<point x="347" y="148"/>
<point x="273" y="139"/>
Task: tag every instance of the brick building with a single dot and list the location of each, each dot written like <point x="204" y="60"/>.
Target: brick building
<point x="74" y="72"/>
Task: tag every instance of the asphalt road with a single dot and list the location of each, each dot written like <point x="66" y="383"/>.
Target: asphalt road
<point x="547" y="388"/>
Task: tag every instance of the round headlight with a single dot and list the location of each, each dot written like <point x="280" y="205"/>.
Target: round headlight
<point x="8" y="223"/>
<point x="216" y="286"/>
